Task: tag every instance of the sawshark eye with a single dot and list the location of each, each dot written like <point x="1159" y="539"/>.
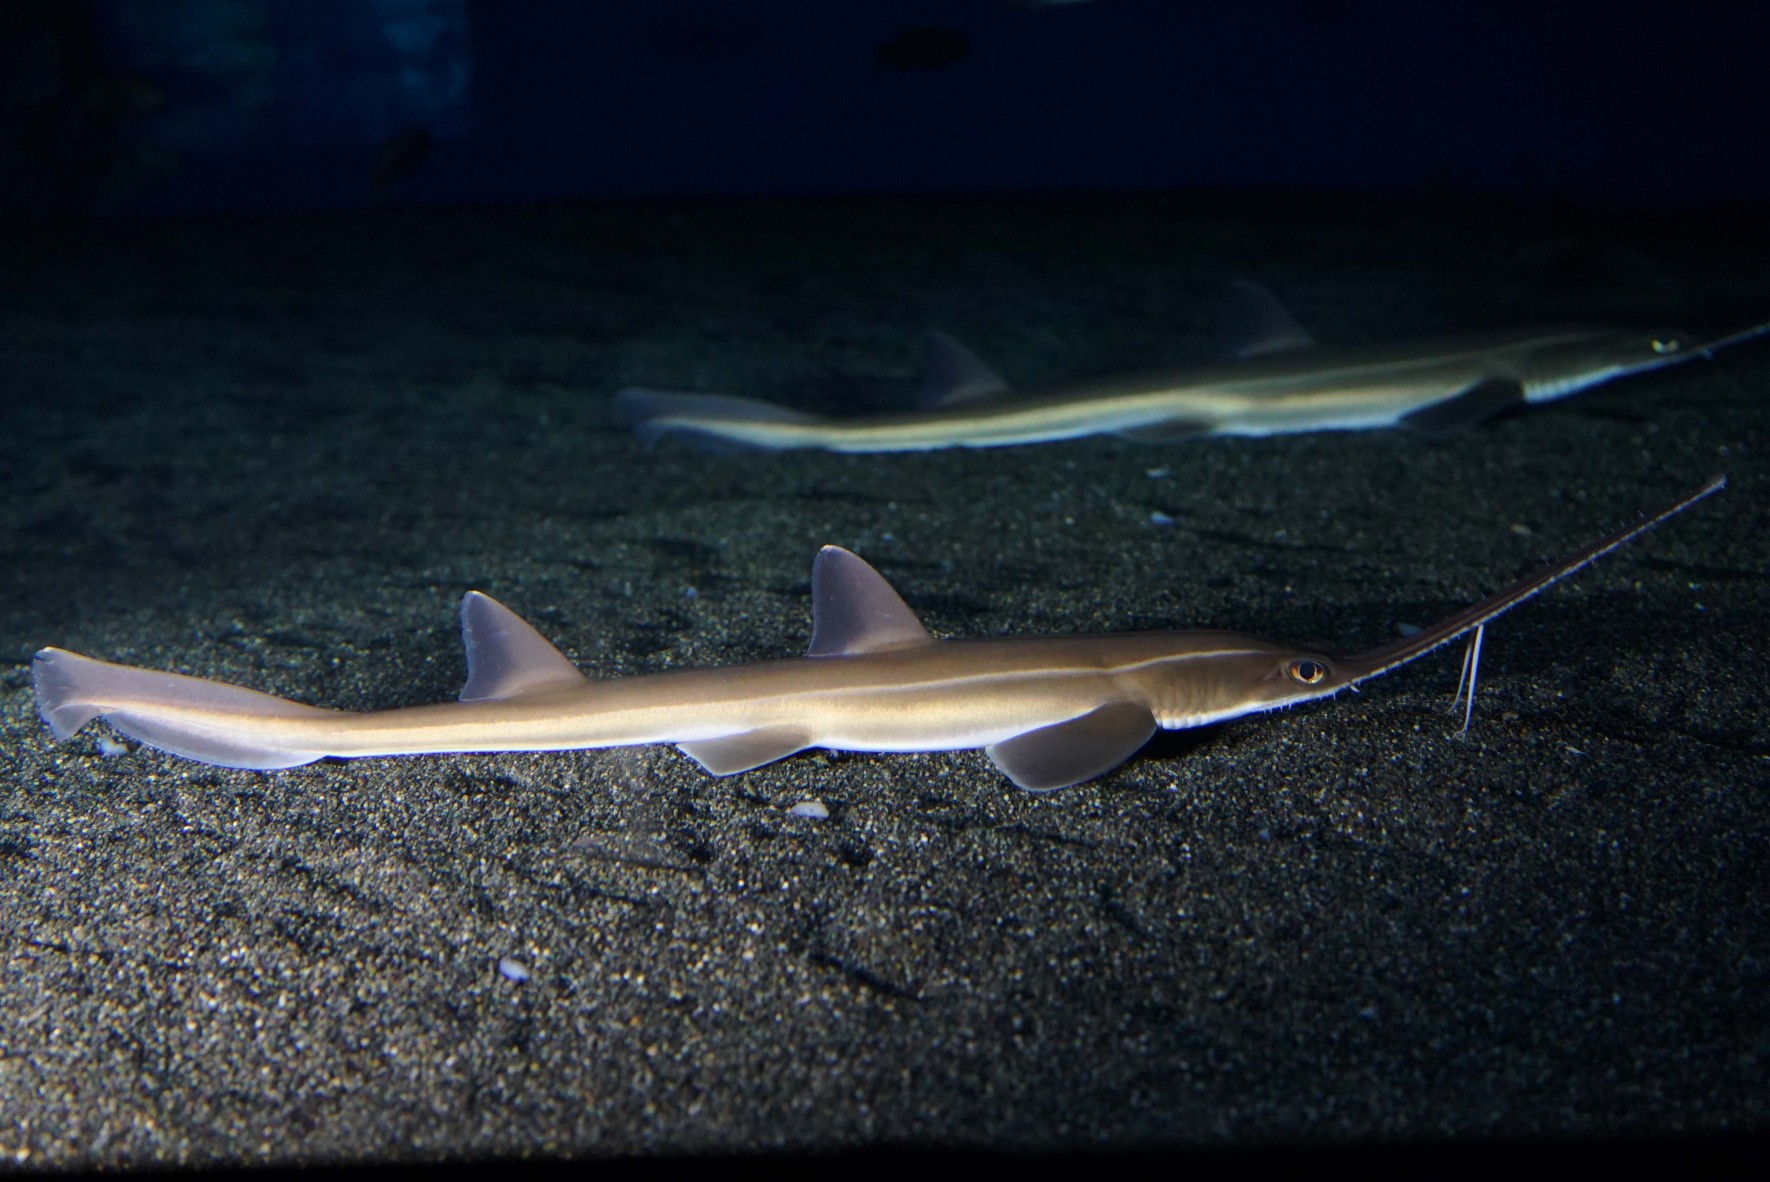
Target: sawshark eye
<point x="1307" y="672"/>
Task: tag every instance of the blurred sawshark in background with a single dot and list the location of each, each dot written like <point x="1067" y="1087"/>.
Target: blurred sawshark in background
<point x="1271" y="378"/>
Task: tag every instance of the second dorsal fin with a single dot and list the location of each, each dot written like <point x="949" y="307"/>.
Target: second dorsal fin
<point x="854" y="610"/>
<point x="506" y="658"/>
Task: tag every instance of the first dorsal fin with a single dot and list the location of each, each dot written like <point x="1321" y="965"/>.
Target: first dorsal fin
<point x="1252" y="323"/>
<point x="953" y="374"/>
<point x="506" y="658"/>
<point x="854" y="610"/>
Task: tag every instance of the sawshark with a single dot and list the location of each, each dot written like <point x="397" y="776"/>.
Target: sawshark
<point x="1271" y="378"/>
<point x="1051" y="711"/>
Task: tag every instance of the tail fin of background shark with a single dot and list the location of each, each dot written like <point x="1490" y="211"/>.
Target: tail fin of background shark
<point x="73" y="690"/>
<point x="697" y="417"/>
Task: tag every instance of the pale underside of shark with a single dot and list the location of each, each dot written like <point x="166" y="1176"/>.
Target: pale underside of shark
<point x="1273" y="379"/>
<point x="1050" y="711"/>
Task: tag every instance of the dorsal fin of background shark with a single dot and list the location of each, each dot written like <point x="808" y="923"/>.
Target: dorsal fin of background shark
<point x="1272" y="378"/>
<point x="953" y="375"/>
<point x="1252" y="323"/>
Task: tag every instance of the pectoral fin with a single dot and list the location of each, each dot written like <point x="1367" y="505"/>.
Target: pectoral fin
<point x="1483" y="400"/>
<point x="740" y="753"/>
<point x="1080" y="749"/>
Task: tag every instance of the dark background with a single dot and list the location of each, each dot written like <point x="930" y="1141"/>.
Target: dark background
<point x="138" y="107"/>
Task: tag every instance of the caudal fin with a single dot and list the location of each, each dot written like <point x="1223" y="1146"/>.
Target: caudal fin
<point x="206" y="720"/>
<point x="712" y="422"/>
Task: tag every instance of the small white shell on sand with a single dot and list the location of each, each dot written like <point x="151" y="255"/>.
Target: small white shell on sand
<point x="513" y="969"/>
<point x="111" y="748"/>
<point x="817" y="810"/>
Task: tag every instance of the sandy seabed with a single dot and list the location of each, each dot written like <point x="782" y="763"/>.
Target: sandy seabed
<point x="276" y="452"/>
